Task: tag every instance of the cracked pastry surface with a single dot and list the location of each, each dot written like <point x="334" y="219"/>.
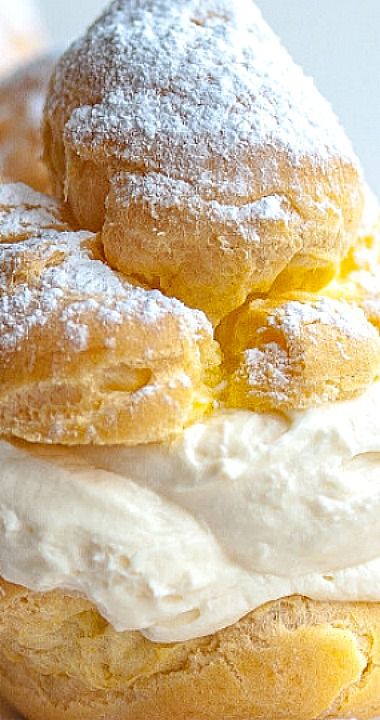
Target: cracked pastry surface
<point x="22" y="96"/>
<point x="90" y="356"/>
<point x="76" y="336"/>
<point x="297" y="352"/>
<point x="293" y="659"/>
<point x="85" y="354"/>
<point x="208" y="157"/>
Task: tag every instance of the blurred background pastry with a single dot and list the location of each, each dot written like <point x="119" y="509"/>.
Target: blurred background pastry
<point x="22" y="97"/>
<point x="24" y="75"/>
<point x="21" y="33"/>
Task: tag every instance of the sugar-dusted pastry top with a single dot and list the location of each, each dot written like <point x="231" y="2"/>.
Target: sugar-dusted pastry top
<point x="88" y="355"/>
<point x="213" y="163"/>
<point x="22" y="97"/>
<point x="85" y="354"/>
<point x="21" y="34"/>
<point x="297" y="351"/>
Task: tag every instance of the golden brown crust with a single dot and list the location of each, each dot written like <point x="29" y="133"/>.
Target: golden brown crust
<point x="358" y="280"/>
<point x="292" y="659"/>
<point x="214" y="263"/>
<point x="208" y="206"/>
<point x="87" y="356"/>
<point x="21" y="101"/>
<point x="90" y="356"/>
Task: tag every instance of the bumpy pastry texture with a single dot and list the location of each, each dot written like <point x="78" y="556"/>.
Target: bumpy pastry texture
<point x="358" y="280"/>
<point x="297" y="351"/>
<point x="86" y="355"/>
<point x="22" y="96"/>
<point x="292" y="659"/>
<point x="212" y="163"/>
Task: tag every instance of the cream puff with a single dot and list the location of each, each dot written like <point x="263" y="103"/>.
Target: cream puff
<point x="190" y="436"/>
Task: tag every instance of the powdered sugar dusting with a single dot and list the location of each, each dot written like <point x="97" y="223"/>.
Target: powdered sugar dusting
<point x="191" y="89"/>
<point x="217" y="84"/>
<point x="195" y="107"/>
<point x="276" y="369"/>
<point x="268" y="368"/>
<point x="24" y="212"/>
<point x="50" y="272"/>
<point x="347" y="318"/>
<point x="164" y="193"/>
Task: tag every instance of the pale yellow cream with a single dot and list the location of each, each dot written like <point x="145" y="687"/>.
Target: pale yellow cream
<point x="181" y="540"/>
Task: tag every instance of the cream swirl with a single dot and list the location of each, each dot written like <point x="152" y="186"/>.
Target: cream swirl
<point x="180" y="540"/>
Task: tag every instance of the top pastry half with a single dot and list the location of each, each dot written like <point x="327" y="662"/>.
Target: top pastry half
<point x="213" y="168"/>
<point x="216" y="179"/>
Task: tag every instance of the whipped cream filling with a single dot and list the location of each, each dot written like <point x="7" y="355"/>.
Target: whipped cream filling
<point x="182" y="539"/>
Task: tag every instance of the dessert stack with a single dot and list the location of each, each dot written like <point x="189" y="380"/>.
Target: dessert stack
<point x="189" y="384"/>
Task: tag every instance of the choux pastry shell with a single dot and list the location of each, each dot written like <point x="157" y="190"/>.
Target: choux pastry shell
<point x="85" y="355"/>
<point x="213" y="167"/>
<point x="292" y="659"/>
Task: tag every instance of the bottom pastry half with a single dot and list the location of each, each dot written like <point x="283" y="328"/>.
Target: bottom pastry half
<point x="293" y="659"/>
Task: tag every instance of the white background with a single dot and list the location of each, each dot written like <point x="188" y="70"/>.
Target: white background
<point x="336" y="41"/>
